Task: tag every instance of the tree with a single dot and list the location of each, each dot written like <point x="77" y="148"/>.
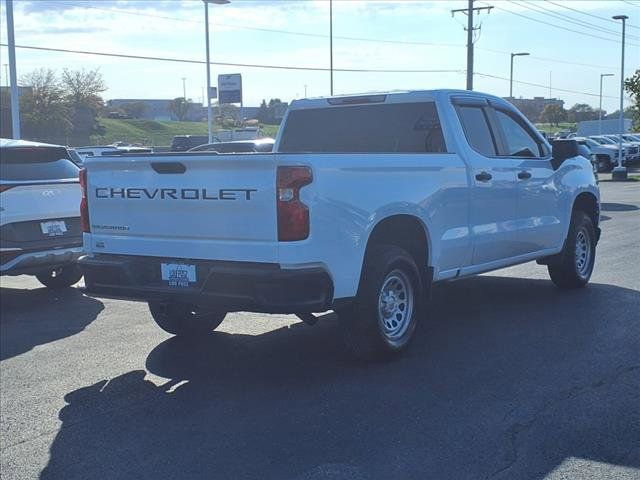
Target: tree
<point x="263" y="112"/>
<point x="45" y="113"/>
<point x="554" y="114"/>
<point x="84" y="87"/>
<point x="134" y="109"/>
<point x="581" y="112"/>
<point x="179" y="107"/>
<point x="632" y="86"/>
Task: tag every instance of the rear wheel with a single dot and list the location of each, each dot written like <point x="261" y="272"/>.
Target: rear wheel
<point x="574" y="265"/>
<point x="60" y="277"/>
<point x="384" y="317"/>
<point x="185" y="320"/>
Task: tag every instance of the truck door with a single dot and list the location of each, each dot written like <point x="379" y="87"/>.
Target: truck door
<point x="493" y="180"/>
<point x="538" y="224"/>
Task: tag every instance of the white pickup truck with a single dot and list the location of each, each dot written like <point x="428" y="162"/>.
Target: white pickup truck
<point x="366" y="201"/>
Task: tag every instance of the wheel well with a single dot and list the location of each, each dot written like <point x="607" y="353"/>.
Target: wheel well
<point x="587" y="203"/>
<point x="404" y="231"/>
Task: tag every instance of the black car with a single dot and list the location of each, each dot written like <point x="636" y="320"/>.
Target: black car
<point x="262" y="145"/>
<point x="182" y="143"/>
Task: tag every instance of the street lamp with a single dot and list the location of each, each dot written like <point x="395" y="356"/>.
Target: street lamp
<point x="620" y="172"/>
<point x="206" y="31"/>
<point x="520" y="54"/>
<point x="600" y="108"/>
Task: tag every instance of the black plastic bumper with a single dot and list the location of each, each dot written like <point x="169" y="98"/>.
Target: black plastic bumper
<point x="232" y="286"/>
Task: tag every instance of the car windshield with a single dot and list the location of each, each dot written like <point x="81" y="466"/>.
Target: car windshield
<point x="605" y="141"/>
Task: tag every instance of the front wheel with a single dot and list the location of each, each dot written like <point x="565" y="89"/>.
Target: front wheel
<point x="384" y="317"/>
<point x="574" y="265"/>
<point x="60" y="277"/>
<point x="185" y="320"/>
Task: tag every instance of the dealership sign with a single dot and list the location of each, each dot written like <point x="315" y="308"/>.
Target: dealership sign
<point x="230" y="88"/>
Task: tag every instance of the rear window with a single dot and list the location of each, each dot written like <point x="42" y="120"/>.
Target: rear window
<point x="382" y="128"/>
<point x="35" y="164"/>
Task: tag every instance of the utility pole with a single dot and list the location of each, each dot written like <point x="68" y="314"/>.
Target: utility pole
<point x="469" y="11"/>
<point x="184" y="88"/>
<point x="305" y="91"/>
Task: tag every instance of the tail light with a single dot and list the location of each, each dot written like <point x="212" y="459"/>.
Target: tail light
<point x="293" y="215"/>
<point x="84" y="206"/>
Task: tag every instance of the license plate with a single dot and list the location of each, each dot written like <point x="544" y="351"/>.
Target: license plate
<point x="54" y="228"/>
<point x="178" y="274"/>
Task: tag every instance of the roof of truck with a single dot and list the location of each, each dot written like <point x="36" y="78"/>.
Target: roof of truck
<point x="389" y="97"/>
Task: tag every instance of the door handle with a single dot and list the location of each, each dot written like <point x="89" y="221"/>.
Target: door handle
<point x="524" y="175"/>
<point x="483" y="177"/>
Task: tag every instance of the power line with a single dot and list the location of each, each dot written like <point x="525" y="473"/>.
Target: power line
<point x="564" y="18"/>
<point x="323" y="36"/>
<point x="247" y="65"/>
<point x="283" y="67"/>
<point x="267" y="30"/>
<point x="560" y="26"/>
<point x="591" y="14"/>
<point x="544" y="86"/>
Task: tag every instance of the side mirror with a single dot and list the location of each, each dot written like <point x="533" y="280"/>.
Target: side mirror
<point x="561" y="150"/>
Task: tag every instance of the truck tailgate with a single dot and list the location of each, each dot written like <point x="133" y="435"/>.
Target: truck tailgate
<point x="204" y="206"/>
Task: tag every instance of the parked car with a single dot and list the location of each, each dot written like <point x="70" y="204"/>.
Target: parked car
<point x="632" y="147"/>
<point x="263" y="145"/>
<point x="182" y="143"/>
<point x="366" y="201"/>
<point x="604" y="156"/>
<point x="75" y="157"/>
<point x="96" y="151"/>
<point x="605" y="141"/>
<point x="40" y="231"/>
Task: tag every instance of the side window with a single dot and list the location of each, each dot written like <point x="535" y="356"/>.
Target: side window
<point x="476" y="129"/>
<point x="519" y="142"/>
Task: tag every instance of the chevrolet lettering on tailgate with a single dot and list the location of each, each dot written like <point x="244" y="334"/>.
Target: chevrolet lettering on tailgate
<point x="175" y="193"/>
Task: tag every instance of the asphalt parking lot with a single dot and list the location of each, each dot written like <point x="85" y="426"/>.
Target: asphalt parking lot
<point x="509" y="378"/>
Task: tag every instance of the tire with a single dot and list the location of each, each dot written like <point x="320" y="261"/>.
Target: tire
<point x="184" y="320"/>
<point x="383" y="319"/>
<point x="574" y="265"/>
<point x="60" y="277"/>
<point x="604" y="164"/>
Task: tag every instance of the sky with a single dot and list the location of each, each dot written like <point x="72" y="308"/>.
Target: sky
<point x="571" y="42"/>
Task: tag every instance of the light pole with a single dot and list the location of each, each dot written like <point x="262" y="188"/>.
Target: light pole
<point x="620" y="172"/>
<point x="520" y="54"/>
<point x="206" y="32"/>
<point x="15" y="99"/>
<point x="602" y="75"/>
<point x="331" y="45"/>
<point x="184" y="88"/>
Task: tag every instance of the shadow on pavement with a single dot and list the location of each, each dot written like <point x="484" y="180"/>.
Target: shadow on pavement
<point x="618" y="207"/>
<point x="26" y="316"/>
<point x="507" y="379"/>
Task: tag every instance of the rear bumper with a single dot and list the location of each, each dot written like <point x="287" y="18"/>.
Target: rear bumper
<point x="232" y="286"/>
<point x="32" y="262"/>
